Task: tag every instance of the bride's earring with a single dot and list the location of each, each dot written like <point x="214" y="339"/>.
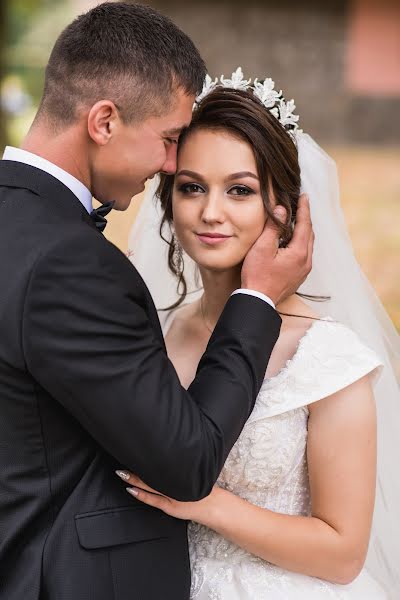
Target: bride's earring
<point x="178" y="256"/>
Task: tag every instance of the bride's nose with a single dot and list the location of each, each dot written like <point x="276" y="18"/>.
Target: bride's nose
<point x="212" y="211"/>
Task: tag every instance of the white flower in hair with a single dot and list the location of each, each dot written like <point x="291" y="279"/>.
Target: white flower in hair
<point x="286" y="115"/>
<point x="237" y="82"/>
<point x="275" y="111"/>
<point x="266" y="93"/>
<point x="208" y="86"/>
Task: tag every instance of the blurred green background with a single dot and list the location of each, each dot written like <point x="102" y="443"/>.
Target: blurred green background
<point x="339" y="59"/>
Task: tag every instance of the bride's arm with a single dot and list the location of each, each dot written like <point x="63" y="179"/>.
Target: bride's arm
<point x="332" y="543"/>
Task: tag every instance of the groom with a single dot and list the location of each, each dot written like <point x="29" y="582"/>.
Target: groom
<point x="85" y="383"/>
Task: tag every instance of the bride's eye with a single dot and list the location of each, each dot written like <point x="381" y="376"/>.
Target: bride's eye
<point x="190" y="188"/>
<point x="240" y="190"/>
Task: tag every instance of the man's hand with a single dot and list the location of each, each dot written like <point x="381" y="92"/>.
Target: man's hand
<point x="278" y="272"/>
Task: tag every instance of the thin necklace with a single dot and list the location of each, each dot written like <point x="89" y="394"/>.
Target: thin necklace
<point x="203" y="316"/>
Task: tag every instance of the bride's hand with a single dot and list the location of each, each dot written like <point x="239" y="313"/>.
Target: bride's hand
<point x="200" y="511"/>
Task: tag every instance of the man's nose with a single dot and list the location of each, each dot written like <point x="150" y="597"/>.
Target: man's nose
<point x="169" y="167"/>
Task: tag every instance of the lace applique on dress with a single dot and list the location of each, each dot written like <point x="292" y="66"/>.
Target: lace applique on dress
<point x="268" y="467"/>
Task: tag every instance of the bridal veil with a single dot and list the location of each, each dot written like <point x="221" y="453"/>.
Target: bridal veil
<point x="352" y="301"/>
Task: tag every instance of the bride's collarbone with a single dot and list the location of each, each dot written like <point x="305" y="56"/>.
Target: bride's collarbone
<point x="187" y="338"/>
<point x="186" y="342"/>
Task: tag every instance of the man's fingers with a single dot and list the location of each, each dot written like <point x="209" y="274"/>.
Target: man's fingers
<point x="280" y="214"/>
<point x="303" y="228"/>
<point x="310" y="250"/>
<point x="270" y="235"/>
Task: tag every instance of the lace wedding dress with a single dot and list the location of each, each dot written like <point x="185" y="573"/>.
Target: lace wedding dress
<point x="268" y="467"/>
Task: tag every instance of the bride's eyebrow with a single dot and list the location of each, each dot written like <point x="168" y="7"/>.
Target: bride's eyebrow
<point x="197" y="176"/>
<point x="240" y="175"/>
<point x="192" y="174"/>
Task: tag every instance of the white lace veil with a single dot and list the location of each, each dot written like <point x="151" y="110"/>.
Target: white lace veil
<point x="336" y="274"/>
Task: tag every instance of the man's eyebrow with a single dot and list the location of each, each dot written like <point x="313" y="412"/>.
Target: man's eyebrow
<point x="175" y="131"/>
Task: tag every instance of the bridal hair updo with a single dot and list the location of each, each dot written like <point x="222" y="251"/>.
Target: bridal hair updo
<point x="242" y="115"/>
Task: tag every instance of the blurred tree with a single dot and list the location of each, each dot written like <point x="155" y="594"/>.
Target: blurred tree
<point x="34" y="27"/>
<point x="3" y="16"/>
<point x="28" y="29"/>
<point x="15" y="16"/>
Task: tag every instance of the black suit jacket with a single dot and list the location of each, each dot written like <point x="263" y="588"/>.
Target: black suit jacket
<point x="85" y="388"/>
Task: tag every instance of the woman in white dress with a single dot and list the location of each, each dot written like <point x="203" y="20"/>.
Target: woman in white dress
<point x="290" y="516"/>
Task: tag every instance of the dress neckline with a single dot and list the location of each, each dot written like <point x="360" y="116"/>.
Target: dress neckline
<point x="282" y="371"/>
<point x="300" y="344"/>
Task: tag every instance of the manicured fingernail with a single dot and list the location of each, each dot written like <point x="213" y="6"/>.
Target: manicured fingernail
<point x="123" y="474"/>
<point x="279" y="212"/>
<point x="132" y="491"/>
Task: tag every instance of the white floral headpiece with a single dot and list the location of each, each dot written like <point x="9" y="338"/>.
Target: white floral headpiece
<point x="264" y="91"/>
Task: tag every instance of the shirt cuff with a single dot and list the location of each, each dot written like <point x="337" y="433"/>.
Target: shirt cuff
<point x="256" y="295"/>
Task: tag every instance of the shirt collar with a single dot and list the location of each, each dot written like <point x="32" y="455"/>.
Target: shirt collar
<point x="81" y="191"/>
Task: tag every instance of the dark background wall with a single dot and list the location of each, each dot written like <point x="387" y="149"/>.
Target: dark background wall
<point x="339" y="60"/>
<point x="304" y="46"/>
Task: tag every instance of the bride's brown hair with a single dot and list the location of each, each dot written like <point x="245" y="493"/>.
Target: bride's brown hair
<point x="242" y="115"/>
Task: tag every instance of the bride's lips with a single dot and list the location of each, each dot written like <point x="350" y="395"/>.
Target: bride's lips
<point x="211" y="239"/>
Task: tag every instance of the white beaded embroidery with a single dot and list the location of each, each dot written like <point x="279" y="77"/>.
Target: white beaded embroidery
<point x="267" y="466"/>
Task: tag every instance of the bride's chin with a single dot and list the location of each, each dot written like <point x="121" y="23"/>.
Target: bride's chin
<point x="215" y="263"/>
<point x="217" y="266"/>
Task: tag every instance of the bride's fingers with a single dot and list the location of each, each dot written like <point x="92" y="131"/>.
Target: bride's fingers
<point x="135" y="481"/>
<point x="149" y="498"/>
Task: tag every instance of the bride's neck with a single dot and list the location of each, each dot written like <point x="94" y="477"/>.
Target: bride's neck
<point x="218" y="286"/>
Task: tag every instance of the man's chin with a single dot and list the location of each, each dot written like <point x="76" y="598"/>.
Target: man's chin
<point x="122" y="205"/>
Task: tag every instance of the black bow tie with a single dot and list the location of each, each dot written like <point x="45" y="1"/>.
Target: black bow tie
<point x="98" y="215"/>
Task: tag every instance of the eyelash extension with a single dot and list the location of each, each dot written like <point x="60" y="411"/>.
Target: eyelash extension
<point x="183" y="188"/>
<point x="242" y="188"/>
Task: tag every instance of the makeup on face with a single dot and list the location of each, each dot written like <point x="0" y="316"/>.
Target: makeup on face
<point x="218" y="208"/>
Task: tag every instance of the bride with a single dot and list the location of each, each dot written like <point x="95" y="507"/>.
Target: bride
<point x="291" y="513"/>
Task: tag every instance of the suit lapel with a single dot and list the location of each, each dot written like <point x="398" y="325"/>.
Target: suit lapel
<point x="65" y="203"/>
<point x="19" y="175"/>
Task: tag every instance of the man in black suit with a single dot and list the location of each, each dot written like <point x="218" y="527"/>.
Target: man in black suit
<point x="85" y="383"/>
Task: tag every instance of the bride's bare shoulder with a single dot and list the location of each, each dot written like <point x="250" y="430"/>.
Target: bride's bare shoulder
<point x="297" y="318"/>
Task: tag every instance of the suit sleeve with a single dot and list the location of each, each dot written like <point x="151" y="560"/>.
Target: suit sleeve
<point x="89" y="343"/>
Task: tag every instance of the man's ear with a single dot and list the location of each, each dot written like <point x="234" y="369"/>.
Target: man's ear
<point x="102" y="120"/>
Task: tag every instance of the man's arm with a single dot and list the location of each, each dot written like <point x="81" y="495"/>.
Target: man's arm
<point x="88" y="342"/>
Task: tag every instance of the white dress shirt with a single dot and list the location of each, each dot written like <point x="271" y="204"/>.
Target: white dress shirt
<point x="81" y="192"/>
<point x="256" y="294"/>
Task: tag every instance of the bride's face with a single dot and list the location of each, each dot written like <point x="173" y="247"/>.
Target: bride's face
<point x="217" y="204"/>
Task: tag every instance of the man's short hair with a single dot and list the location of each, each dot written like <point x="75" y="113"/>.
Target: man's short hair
<point x="127" y="53"/>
